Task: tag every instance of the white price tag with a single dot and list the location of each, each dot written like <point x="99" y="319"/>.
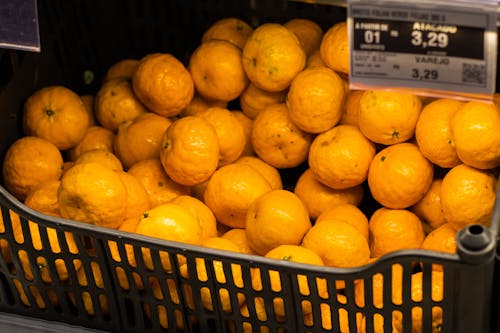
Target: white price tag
<point x="439" y="48"/>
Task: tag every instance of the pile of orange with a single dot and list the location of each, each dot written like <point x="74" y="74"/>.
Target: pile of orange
<point x="194" y="153"/>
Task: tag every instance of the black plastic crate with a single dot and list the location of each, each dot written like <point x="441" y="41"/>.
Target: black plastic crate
<point x="80" y="40"/>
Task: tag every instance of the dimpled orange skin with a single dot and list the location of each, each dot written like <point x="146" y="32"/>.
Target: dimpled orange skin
<point x="217" y="72"/>
<point x="468" y="196"/>
<point x="272" y="57"/>
<point x="43" y="198"/>
<point x="429" y="208"/>
<point x="92" y="193"/>
<point x="159" y="186"/>
<point x="122" y="69"/>
<point x="340" y="157"/>
<point x="315" y="99"/>
<point x="140" y="139"/>
<point x="433" y="132"/>
<point x="277" y="140"/>
<point x="334" y="48"/>
<point x="56" y="114"/>
<point x="338" y="243"/>
<point x="97" y="137"/>
<point x="319" y="198"/>
<point x="231" y="29"/>
<point x="230" y="133"/>
<point x="115" y="103"/>
<point x="476" y="130"/>
<point x="247" y="124"/>
<point x="394" y="229"/>
<point x="351" y="111"/>
<point x="29" y="161"/>
<point x="276" y="218"/>
<point x="231" y="190"/>
<point x="253" y="100"/>
<point x="388" y="117"/>
<point x="307" y="31"/>
<point x="399" y="176"/>
<point x="190" y="152"/>
<point x="163" y="84"/>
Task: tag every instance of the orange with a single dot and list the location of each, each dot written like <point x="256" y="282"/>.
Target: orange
<point x="348" y="213"/>
<point x="239" y="237"/>
<point x="338" y="243"/>
<point x="351" y="110"/>
<point x="190" y="150"/>
<point x="14" y="221"/>
<point x="129" y="225"/>
<point x="116" y="103"/>
<point x="97" y="137"/>
<point x="400" y="176"/>
<point x="272" y="57"/>
<point x="203" y="214"/>
<point x="315" y="99"/>
<point x="43" y="198"/>
<point x="247" y="127"/>
<point x="254" y="325"/>
<point x="277" y="140"/>
<point x="56" y="114"/>
<point x="122" y="69"/>
<point x="66" y="166"/>
<point x="468" y="196"/>
<point x="276" y="218"/>
<point x="217" y="71"/>
<point x="441" y="239"/>
<point x="308" y="32"/>
<point x="334" y="48"/>
<point x="417" y="290"/>
<point x="377" y="280"/>
<point x="172" y="296"/>
<point x="429" y="207"/>
<point x="314" y="60"/>
<point x="231" y="29"/>
<point x="30" y="161"/>
<point x="159" y="186"/>
<point x="253" y="99"/>
<point x="433" y="132"/>
<point x="169" y="222"/>
<point x="41" y="263"/>
<point x="163" y="84"/>
<point x="388" y="117"/>
<point x="88" y="103"/>
<point x="100" y="156"/>
<point x="476" y="130"/>
<point x="231" y="190"/>
<point x="93" y="193"/>
<point x="137" y="196"/>
<point x="326" y="321"/>
<point x="199" y="104"/>
<point x="230" y="133"/>
<point x="269" y="172"/>
<point x="319" y="198"/>
<point x="340" y="157"/>
<point x="92" y="278"/>
<point x="221" y="276"/>
<point x="140" y="139"/>
<point x="394" y="229"/>
<point x="292" y="253"/>
<point x="35" y="293"/>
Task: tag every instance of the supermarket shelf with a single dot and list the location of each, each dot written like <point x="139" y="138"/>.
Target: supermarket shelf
<point x="343" y="3"/>
<point x="20" y="324"/>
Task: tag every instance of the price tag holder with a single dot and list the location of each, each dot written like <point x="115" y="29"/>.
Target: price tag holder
<point x="437" y="48"/>
<point x="19" y="25"/>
